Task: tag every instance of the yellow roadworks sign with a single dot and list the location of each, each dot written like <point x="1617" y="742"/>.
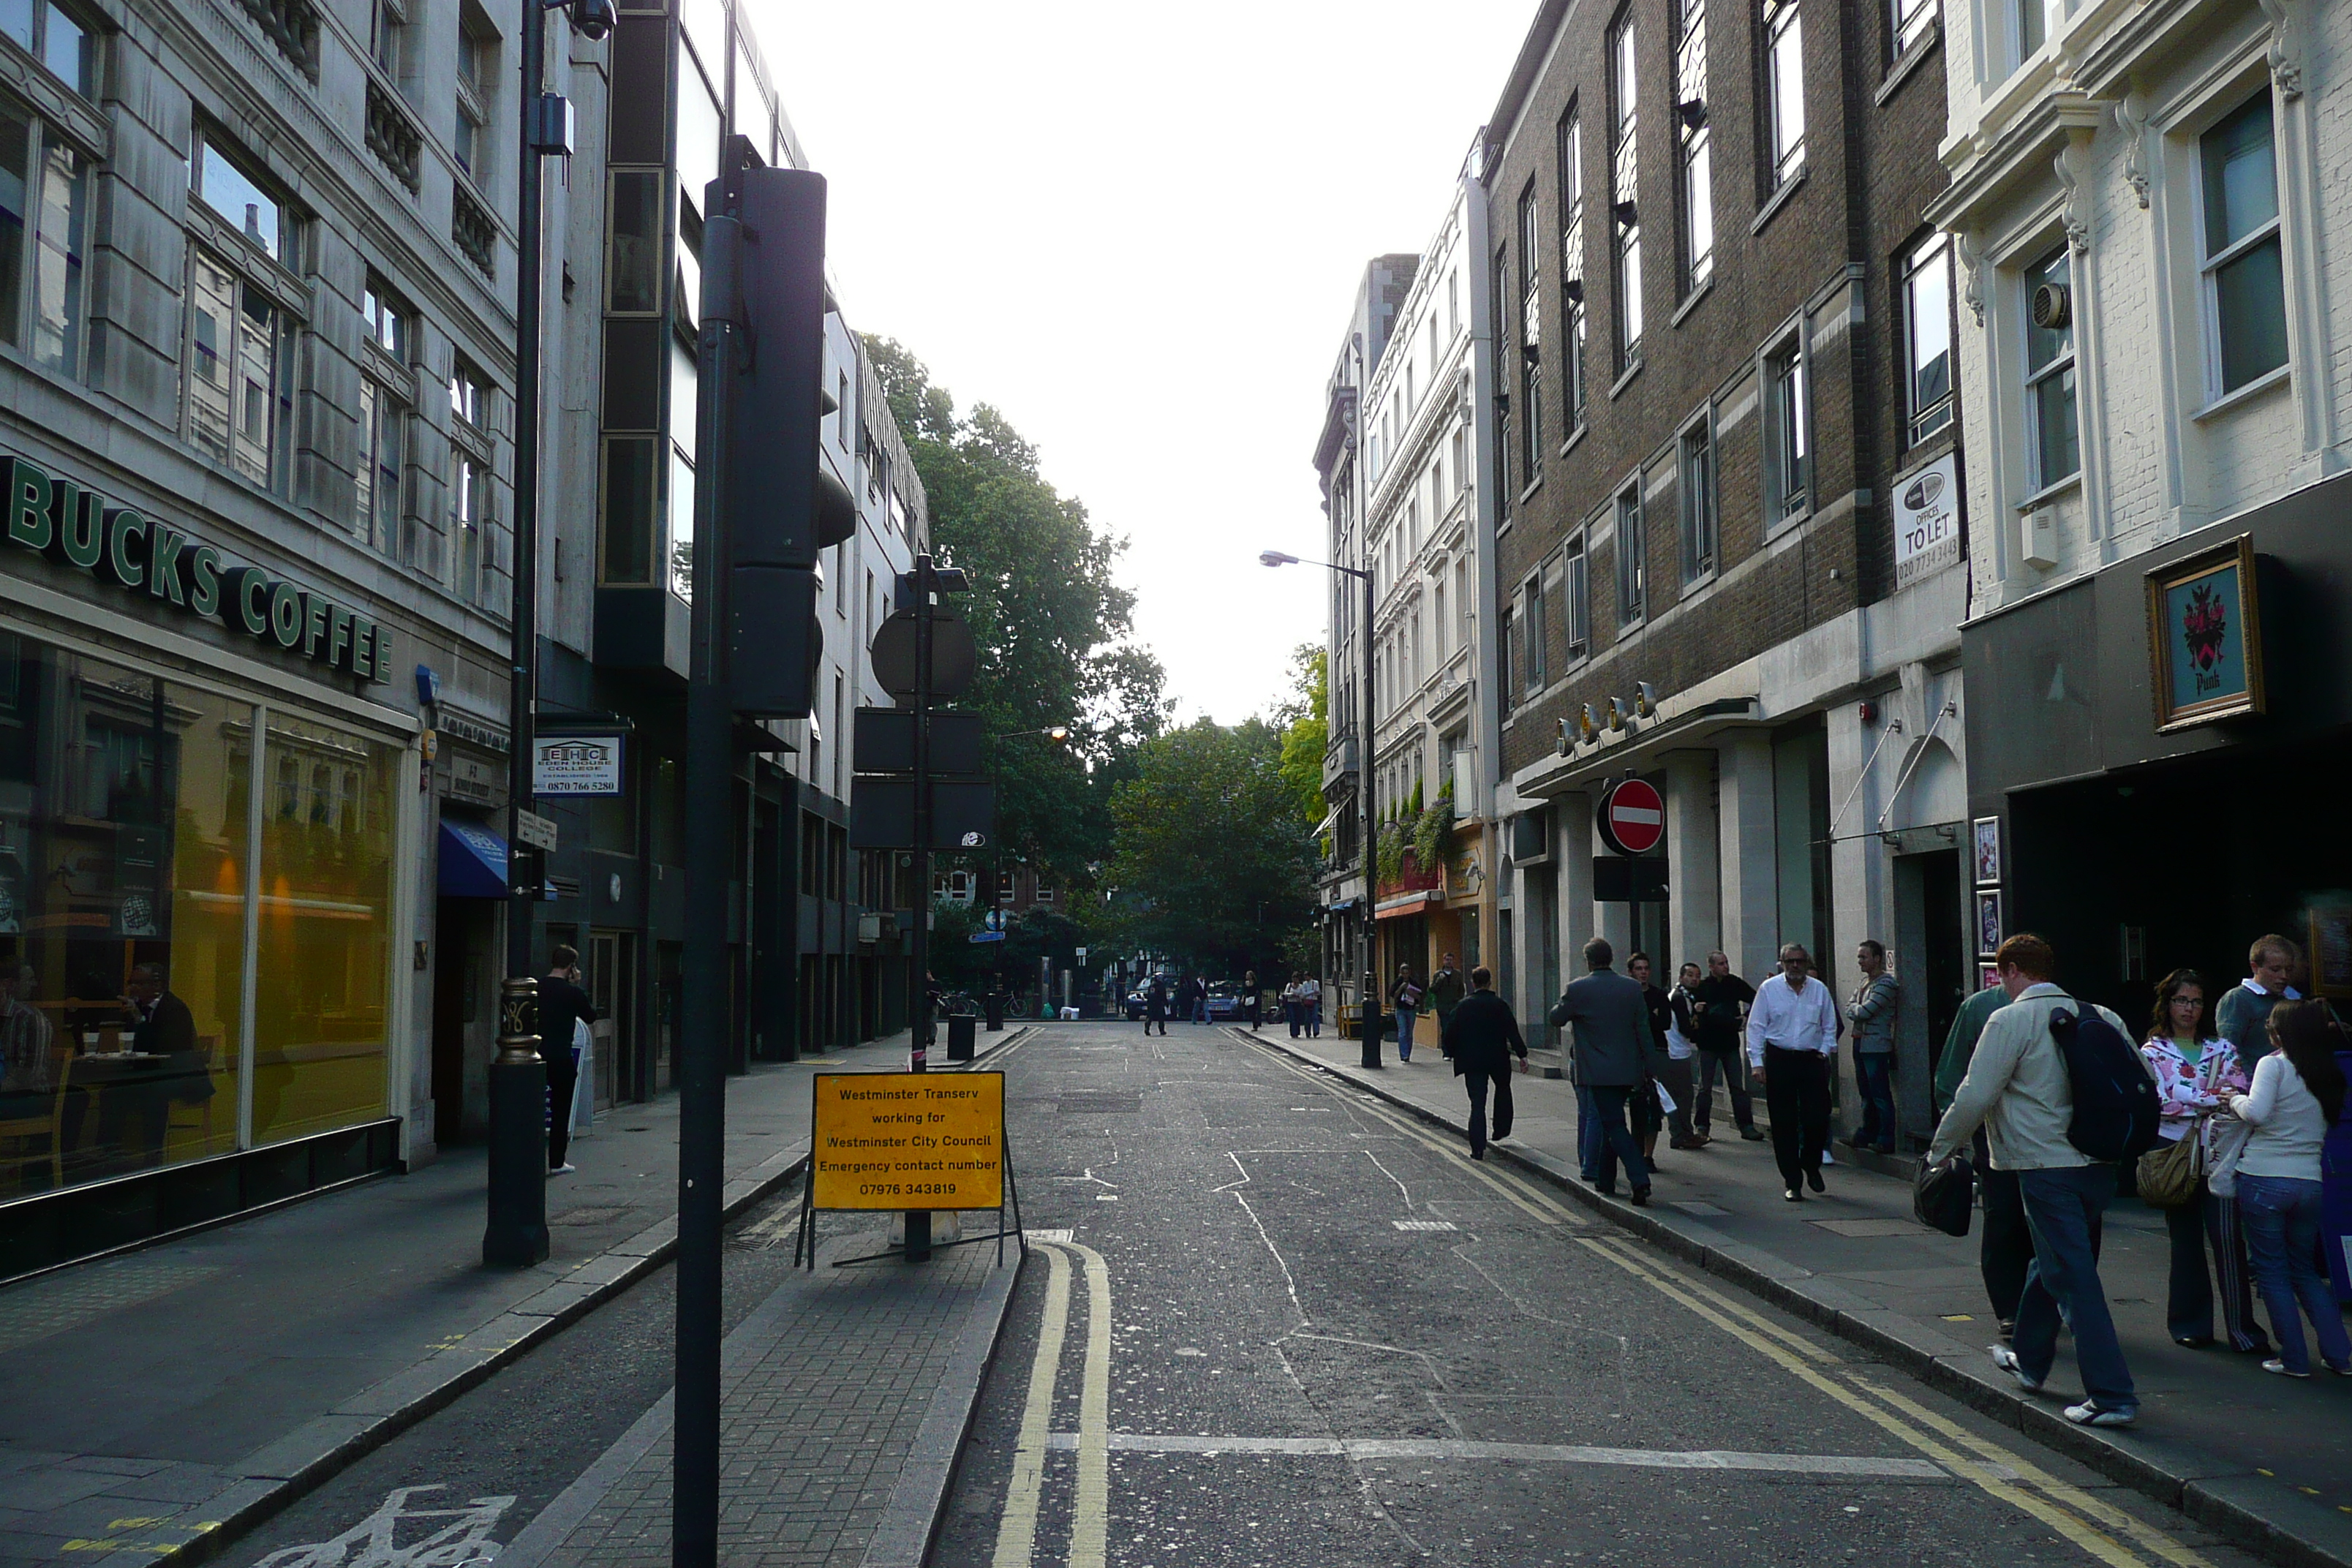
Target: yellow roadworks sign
<point x="908" y="1141"/>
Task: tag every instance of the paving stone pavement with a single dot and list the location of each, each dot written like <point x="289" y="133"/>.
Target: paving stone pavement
<point x="826" y="1386"/>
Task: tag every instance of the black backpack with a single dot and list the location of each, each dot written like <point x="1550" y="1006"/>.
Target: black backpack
<point x="2116" y="1106"/>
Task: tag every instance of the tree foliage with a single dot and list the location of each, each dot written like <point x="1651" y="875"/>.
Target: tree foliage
<point x="1055" y="631"/>
<point x="1211" y="857"/>
<point x="1305" y="730"/>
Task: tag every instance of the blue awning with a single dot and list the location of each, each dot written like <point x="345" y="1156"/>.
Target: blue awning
<point x="473" y="861"/>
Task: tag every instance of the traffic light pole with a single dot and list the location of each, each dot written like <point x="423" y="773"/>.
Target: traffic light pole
<point x="516" y="1229"/>
<point x="710" y="787"/>
<point x="919" y="1221"/>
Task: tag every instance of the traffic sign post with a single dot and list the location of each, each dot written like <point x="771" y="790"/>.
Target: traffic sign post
<point x="1632" y="817"/>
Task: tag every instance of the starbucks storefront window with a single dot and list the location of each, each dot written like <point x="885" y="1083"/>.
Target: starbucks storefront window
<point x="127" y="828"/>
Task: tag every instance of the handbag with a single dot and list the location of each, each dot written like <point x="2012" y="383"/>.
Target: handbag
<point x="1944" y="1196"/>
<point x="2168" y="1173"/>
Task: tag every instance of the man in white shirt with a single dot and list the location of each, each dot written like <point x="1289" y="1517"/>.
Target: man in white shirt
<point x="1792" y="1036"/>
<point x="1310" y="1002"/>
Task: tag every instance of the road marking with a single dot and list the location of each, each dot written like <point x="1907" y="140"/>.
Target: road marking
<point x="1767" y="1338"/>
<point x="1526" y="1452"/>
<point x="1016" y="1527"/>
<point x="1047" y="1234"/>
<point x="1090" y="1510"/>
<point x="374" y="1542"/>
<point x="1424" y="1224"/>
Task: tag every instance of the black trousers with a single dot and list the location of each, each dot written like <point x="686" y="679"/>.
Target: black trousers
<point x="1732" y="1065"/>
<point x="1797" y="1093"/>
<point x="1477" y="1081"/>
<point x="560" y="1085"/>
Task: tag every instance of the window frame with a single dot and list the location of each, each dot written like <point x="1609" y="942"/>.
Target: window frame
<point x="1568" y="150"/>
<point x="28" y="326"/>
<point x="1624" y="190"/>
<point x="1699" y="508"/>
<point x="1632" y="551"/>
<point x="1911" y="25"/>
<point x="1922" y="421"/>
<point x="1530" y="366"/>
<point x="2033" y="379"/>
<point x="1576" y="596"/>
<point x="283" y="329"/>
<point x="2270" y="234"/>
<point x="84" y="82"/>
<point x="1782" y="24"/>
<point x="1693" y="152"/>
<point x="1787" y="431"/>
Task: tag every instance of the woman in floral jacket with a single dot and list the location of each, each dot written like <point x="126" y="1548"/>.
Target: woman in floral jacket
<point x="2192" y="1067"/>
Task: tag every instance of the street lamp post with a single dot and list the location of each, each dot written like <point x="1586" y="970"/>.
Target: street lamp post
<point x="1368" y="1021"/>
<point x="515" y="1231"/>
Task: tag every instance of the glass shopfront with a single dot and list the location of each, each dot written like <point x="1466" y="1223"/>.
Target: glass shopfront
<point x="157" y="995"/>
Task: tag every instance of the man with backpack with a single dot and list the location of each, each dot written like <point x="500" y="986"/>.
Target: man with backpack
<point x="2063" y="1096"/>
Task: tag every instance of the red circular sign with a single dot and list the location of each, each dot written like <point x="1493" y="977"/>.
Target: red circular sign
<point x="1632" y="817"/>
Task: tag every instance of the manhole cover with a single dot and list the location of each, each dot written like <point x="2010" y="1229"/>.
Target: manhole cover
<point x="1870" y="1226"/>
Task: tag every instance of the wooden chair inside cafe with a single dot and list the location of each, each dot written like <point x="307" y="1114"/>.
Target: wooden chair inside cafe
<point x="49" y="1126"/>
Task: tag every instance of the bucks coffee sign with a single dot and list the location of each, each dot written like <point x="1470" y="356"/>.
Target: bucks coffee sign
<point x="77" y="527"/>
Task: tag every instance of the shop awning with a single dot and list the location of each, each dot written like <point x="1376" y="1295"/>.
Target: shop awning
<point x="473" y="861"/>
<point x="1406" y="904"/>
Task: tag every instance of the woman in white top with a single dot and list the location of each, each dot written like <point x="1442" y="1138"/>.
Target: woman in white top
<point x="2191" y="1068"/>
<point x="2298" y="1094"/>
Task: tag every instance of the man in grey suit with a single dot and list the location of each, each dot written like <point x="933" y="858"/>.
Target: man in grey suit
<point x="1616" y="1055"/>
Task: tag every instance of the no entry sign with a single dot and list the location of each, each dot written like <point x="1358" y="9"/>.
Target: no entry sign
<point x="1632" y="817"/>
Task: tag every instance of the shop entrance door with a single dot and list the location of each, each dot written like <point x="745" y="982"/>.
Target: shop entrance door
<point x="460" y="941"/>
<point x="612" y="987"/>
<point x="670" y="1002"/>
<point x="1946" y="944"/>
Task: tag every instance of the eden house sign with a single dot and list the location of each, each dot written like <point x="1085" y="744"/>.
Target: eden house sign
<point x="81" y="528"/>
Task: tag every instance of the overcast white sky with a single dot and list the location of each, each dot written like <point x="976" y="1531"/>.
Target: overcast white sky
<point x="1137" y="230"/>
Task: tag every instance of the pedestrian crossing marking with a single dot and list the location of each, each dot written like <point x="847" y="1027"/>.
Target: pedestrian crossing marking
<point x="1424" y="1224"/>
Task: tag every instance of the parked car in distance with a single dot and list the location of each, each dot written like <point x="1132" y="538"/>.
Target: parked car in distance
<point x="1136" y="1002"/>
<point x="1226" y="1001"/>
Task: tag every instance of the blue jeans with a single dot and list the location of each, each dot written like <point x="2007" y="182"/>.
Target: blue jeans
<point x="1404" y="1021"/>
<point x="1588" y="1133"/>
<point x="1873" y="1071"/>
<point x="2282" y="1220"/>
<point x="1613" y="1139"/>
<point x="2062" y="1206"/>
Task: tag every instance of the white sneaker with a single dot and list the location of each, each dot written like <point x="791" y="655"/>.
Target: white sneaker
<point x="1827" y="1158"/>
<point x="565" y="1169"/>
<point x="2088" y="1414"/>
<point x="2006" y="1359"/>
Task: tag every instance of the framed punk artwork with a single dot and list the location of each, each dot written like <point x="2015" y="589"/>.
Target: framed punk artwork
<point x="2205" y="636"/>
<point x="1988" y="976"/>
<point x="1987" y="848"/>
<point x="1988" y="933"/>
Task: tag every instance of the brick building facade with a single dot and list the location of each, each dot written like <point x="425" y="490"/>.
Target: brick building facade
<point x="1725" y="329"/>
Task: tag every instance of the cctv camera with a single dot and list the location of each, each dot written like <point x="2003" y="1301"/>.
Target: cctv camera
<point x="594" y="18"/>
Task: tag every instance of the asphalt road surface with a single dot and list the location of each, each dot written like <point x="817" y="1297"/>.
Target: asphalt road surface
<point x="1278" y="1323"/>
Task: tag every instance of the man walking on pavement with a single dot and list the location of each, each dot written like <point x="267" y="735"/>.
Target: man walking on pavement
<point x="1444" y="993"/>
<point x="2005" y="1247"/>
<point x="1792" y="1036"/>
<point x="562" y="1004"/>
<point x="1717" y="1004"/>
<point x="1483" y="1037"/>
<point x="1615" y="1056"/>
<point x="2018" y="1089"/>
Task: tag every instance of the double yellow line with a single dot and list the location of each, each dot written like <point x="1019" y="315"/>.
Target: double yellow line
<point x="2000" y="1472"/>
<point x="1016" y="1529"/>
<point x="2099" y="1528"/>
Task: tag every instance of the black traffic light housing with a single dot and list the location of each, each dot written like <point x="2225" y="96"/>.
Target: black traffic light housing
<point x="783" y="505"/>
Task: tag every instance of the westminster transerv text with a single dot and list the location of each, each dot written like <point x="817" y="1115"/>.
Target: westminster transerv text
<point x="912" y="1118"/>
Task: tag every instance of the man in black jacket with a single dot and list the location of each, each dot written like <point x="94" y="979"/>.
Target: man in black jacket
<point x="1483" y="1037"/>
<point x="562" y="1004"/>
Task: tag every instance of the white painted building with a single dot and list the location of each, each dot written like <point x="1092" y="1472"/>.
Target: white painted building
<point x="2143" y="197"/>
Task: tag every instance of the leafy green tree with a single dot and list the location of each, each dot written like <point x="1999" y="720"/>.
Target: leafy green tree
<point x="1305" y="730"/>
<point x="1055" y="631"/>
<point x="1211" y="857"/>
